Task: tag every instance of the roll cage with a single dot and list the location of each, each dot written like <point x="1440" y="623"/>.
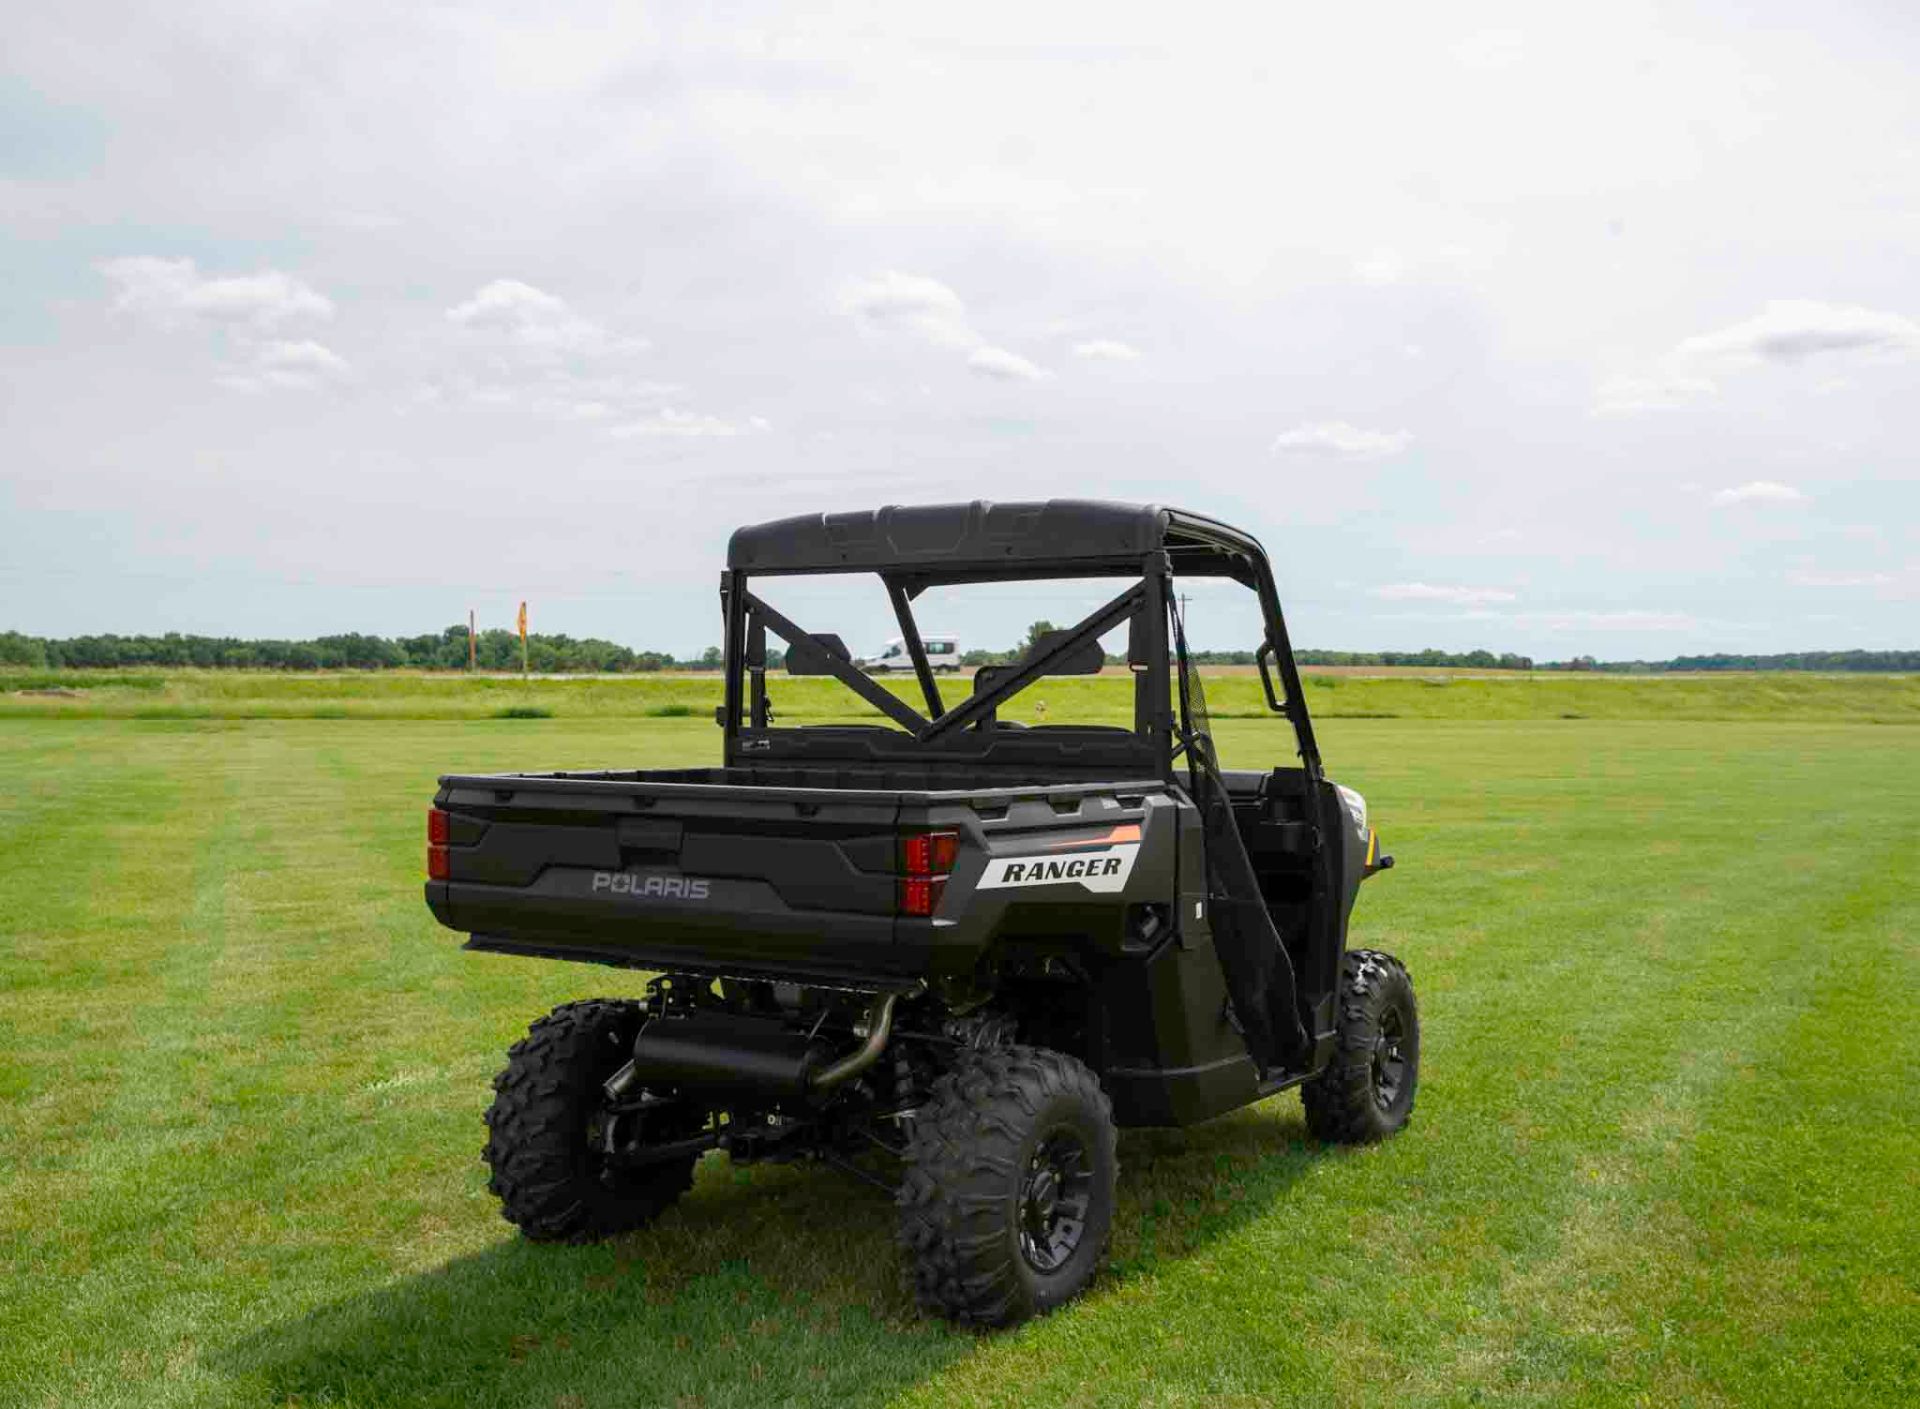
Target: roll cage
<point x="914" y="548"/>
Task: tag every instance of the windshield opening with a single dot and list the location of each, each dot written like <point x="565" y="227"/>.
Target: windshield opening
<point x="984" y="632"/>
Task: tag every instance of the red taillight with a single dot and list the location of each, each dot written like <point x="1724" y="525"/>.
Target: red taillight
<point x="926" y="857"/>
<point x="436" y="844"/>
<point x="929" y="853"/>
<point x="920" y="895"/>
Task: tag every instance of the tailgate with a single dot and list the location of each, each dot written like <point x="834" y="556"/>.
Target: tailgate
<point x="779" y="882"/>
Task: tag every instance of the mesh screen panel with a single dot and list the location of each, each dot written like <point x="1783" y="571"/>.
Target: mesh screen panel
<point x="1260" y="980"/>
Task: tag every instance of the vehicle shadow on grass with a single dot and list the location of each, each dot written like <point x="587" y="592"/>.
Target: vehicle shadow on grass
<point x="765" y="1286"/>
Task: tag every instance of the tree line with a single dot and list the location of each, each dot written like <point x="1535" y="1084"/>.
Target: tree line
<point x="559" y="654"/>
<point x="493" y="650"/>
<point x="1829" y="662"/>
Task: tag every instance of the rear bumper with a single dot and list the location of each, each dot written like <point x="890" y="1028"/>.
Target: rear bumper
<point x="705" y="963"/>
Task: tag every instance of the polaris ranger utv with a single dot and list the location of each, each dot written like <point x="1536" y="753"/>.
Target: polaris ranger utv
<point x="946" y="945"/>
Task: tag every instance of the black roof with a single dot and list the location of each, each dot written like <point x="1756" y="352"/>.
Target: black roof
<point x="957" y="542"/>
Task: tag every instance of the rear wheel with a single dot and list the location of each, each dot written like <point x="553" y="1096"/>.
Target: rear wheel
<point x="1366" y="1092"/>
<point x="545" y="1128"/>
<point x="1007" y="1201"/>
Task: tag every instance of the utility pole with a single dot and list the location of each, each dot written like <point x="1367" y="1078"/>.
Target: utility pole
<point x="472" y="649"/>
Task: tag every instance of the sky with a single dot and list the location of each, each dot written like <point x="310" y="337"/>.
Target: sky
<point x="1550" y="329"/>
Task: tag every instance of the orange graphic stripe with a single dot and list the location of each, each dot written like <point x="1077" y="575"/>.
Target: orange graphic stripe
<point x="1126" y="831"/>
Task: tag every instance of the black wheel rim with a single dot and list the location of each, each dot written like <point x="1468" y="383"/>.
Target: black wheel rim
<point x="1055" y="1188"/>
<point x="1390" y="1059"/>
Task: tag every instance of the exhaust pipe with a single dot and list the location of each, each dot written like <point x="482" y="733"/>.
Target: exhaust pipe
<point x="879" y="1024"/>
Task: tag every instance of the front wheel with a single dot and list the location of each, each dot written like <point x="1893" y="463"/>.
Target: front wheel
<point x="545" y="1128"/>
<point x="1007" y="1200"/>
<point x="1366" y="1091"/>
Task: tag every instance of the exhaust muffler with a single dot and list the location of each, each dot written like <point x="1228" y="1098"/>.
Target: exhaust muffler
<point x="724" y="1052"/>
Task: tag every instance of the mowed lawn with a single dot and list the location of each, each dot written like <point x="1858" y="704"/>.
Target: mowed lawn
<point x="1667" y="1146"/>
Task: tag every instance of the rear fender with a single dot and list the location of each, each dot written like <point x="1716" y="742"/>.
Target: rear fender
<point x="1077" y="870"/>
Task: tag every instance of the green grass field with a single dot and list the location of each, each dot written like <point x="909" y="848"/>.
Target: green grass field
<point x="1667" y="1148"/>
<point x="1231" y="693"/>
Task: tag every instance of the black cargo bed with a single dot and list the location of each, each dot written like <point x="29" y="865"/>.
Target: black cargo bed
<point x="700" y="870"/>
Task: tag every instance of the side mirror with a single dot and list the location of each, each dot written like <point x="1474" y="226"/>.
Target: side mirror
<point x="1261" y="657"/>
<point x="810" y="654"/>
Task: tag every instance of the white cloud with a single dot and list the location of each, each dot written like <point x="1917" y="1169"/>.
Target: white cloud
<point x="1106" y="350"/>
<point x="537" y="322"/>
<point x="895" y="302"/>
<point x="303" y="356"/>
<point x="1786" y="332"/>
<point x="1001" y="365"/>
<point x="510" y="304"/>
<point x="1810" y="578"/>
<point x="1339" y="438"/>
<point x="672" y="424"/>
<point x="1632" y="395"/>
<point x="1759" y="491"/>
<point x="523" y="348"/>
<point x="285" y="366"/>
<point x="241" y="308"/>
<point x="1426" y="592"/>
<point x="1791" y="331"/>
<point x="892" y="302"/>
<point x="173" y="291"/>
